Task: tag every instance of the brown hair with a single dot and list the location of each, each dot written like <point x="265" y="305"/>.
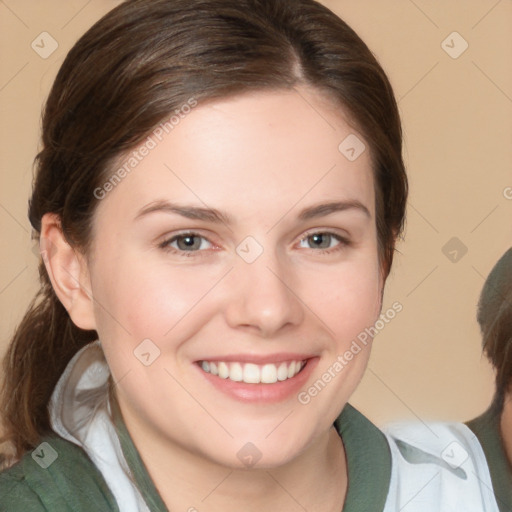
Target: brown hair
<point x="495" y="319"/>
<point x="140" y="63"/>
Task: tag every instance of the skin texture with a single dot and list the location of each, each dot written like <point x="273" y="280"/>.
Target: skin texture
<point x="261" y="158"/>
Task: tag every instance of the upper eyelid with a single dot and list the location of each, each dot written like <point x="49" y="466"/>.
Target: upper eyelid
<point x="313" y="231"/>
<point x="180" y="233"/>
<point x="328" y="231"/>
<point x="341" y="237"/>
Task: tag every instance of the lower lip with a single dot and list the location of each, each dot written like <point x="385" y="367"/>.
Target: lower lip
<point x="262" y="393"/>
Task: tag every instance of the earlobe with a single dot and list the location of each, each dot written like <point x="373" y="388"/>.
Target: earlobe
<point x="68" y="272"/>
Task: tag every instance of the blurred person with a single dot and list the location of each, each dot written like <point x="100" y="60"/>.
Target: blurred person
<point x="494" y="427"/>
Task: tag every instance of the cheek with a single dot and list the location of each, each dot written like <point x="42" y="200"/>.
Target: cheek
<point x="138" y="299"/>
<point x="348" y="300"/>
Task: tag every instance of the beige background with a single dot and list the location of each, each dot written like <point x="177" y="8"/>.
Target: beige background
<point x="457" y="117"/>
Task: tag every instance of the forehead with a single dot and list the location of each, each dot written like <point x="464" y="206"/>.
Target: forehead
<point x="269" y="150"/>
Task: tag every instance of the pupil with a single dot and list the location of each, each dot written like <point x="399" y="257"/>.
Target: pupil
<point x="321" y="240"/>
<point x="188" y="242"/>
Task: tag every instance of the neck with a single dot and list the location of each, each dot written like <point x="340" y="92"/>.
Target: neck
<point x="315" y="480"/>
<point x="506" y="427"/>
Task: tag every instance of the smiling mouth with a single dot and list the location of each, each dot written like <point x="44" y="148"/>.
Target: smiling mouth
<point x="251" y="373"/>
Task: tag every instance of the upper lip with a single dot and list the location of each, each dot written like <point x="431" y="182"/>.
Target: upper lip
<point x="258" y="359"/>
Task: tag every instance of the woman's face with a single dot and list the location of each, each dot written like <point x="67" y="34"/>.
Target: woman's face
<point x="242" y="242"/>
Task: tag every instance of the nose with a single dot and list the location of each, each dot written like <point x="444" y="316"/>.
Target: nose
<point x="264" y="297"/>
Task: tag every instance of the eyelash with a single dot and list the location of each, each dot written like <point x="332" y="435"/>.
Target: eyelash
<point x="165" y="245"/>
<point x="343" y="242"/>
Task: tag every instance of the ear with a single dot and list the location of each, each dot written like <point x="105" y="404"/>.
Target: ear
<point x="68" y="272"/>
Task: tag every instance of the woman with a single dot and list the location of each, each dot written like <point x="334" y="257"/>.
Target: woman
<point x="217" y="199"/>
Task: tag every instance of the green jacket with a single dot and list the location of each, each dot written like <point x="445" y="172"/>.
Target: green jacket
<point x="73" y="483"/>
<point x="59" y="476"/>
<point x="70" y="483"/>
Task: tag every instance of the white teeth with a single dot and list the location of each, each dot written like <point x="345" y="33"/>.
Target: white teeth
<point x="236" y="372"/>
<point x="269" y="374"/>
<point x="291" y="369"/>
<point x="223" y="370"/>
<point x="252" y="373"/>
<point x="282" y="372"/>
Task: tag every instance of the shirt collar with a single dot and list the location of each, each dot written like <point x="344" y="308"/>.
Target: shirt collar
<point x="367" y="452"/>
<point x="368" y="461"/>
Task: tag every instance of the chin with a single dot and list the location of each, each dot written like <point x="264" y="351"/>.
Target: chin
<point x="264" y="454"/>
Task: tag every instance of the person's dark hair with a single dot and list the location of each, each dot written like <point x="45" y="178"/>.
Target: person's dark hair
<point x="136" y="66"/>
<point x="495" y="319"/>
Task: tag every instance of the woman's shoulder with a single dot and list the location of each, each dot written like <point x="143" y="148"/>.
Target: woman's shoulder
<point x="57" y="475"/>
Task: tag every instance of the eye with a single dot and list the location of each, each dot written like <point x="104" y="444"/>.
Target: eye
<point x="186" y="242"/>
<point x="323" y="240"/>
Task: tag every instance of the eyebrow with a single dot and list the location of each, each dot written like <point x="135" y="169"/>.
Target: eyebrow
<point x="190" y="212"/>
<point x="216" y="216"/>
<point x="323" y="209"/>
